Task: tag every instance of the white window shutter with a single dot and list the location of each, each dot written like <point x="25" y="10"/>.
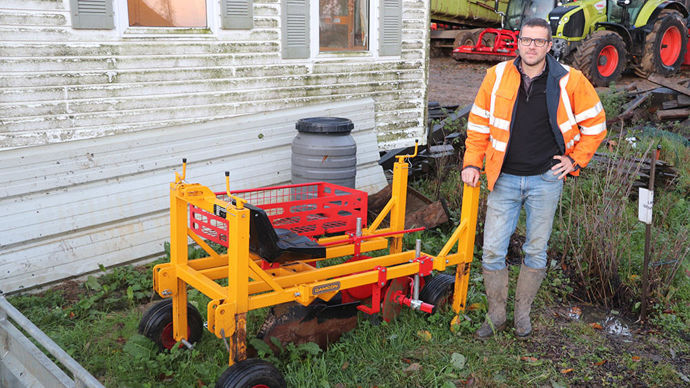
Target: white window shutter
<point x="295" y="29"/>
<point x="390" y="27"/>
<point x="237" y="14"/>
<point x="92" y="14"/>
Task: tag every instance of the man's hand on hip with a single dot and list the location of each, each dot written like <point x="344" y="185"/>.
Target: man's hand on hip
<point x="563" y="167"/>
<point x="470" y="176"/>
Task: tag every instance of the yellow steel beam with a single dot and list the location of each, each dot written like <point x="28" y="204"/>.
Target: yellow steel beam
<point x="205" y="285"/>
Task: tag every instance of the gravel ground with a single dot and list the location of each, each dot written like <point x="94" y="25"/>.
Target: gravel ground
<point x="456" y="83"/>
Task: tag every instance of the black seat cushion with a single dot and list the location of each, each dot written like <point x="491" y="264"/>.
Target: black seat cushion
<point x="278" y="245"/>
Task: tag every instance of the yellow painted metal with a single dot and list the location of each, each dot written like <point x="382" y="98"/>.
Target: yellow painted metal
<point x="251" y="287"/>
<point x="468" y="215"/>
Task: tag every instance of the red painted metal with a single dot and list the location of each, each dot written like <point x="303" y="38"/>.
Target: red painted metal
<point x="505" y="45"/>
<point x="671" y="43"/>
<point x="426" y="265"/>
<point x="354" y="238"/>
<point x="609" y="56"/>
<point x="375" y="293"/>
<point x="399" y="297"/>
<point x="308" y="209"/>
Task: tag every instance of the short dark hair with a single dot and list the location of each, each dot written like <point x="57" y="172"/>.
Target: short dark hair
<point x="537" y="22"/>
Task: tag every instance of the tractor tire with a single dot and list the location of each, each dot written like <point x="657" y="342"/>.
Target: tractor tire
<point x="438" y="291"/>
<point x="601" y="58"/>
<point x="465" y="38"/>
<point x="665" y="45"/>
<point x="156" y="324"/>
<point x="251" y="373"/>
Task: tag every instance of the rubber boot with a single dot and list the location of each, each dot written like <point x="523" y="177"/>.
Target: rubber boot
<point x="527" y="286"/>
<point x="496" y="285"/>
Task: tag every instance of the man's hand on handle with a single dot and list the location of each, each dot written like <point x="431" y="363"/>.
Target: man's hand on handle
<point x="470" y="176"/>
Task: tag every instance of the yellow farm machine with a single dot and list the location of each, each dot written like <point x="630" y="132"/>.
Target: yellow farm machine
<point x="279" y="241"/>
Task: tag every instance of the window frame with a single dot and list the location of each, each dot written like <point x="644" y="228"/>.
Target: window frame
<point x="212" y="23"/>
<point x="314" y="36"/>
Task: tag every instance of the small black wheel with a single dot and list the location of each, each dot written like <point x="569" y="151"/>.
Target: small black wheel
<point x="156" y="324"/>
<point x="251" y="373"/>
<point x="438" y="291"/>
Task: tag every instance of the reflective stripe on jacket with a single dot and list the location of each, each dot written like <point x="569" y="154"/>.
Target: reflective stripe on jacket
<point x="576" y="116"/>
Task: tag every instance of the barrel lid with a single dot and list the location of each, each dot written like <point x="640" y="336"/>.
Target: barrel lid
<point x="324" y="125"/>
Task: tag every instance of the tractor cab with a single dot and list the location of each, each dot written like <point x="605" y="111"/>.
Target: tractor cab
<point x="520" y="10"/>
<point x="623" y="12"/>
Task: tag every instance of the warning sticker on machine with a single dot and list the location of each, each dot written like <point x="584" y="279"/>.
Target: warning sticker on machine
<point x="324" y="288"/>
<point x="219" y="211"/>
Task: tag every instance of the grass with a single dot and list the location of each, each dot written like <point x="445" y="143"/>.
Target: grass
<point x="96" y="321"/>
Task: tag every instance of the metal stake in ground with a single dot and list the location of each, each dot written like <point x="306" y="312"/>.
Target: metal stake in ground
<point x="647" y="237"/>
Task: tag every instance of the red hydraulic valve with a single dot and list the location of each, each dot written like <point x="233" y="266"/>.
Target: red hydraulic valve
<point x="414" y="304"/>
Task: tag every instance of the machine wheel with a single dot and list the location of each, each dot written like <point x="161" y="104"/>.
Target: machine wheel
<point x="602" y="57"/>
<point x="156" y="324"/>
<point x="465" y="38"/>
<point x="251" y="373"/>
<point x="665" y="46"/>
<point x="438" y="291"/>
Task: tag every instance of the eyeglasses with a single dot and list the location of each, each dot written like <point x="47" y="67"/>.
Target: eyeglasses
<point x="537" y="42"/>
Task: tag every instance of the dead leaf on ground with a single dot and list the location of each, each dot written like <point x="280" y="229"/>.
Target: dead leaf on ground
<point x="474" y="306"/>
<point x="414" y="367"/>
<point x="596" y="326"/>
<point x="600" y="363"/>
<point x="424" y="334"/>
<point x="528" y="358"/>
<point x="566" y="371"/>
<point x="345" y="365"/>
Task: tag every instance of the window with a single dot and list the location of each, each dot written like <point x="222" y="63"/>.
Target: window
<point x="343" y="25"/>
<point x="167" y="13"/>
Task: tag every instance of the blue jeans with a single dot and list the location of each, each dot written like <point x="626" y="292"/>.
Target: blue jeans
<point x="540" y="195"/>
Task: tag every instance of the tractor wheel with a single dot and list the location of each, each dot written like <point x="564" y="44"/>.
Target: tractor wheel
<point x="665" y="46"/>
<point x="156" y="324"/>
<point x="251" y="373"/>
<point x="601" y="58"/>
<point x="438" y="291"/>
<point x="465" y="38"/>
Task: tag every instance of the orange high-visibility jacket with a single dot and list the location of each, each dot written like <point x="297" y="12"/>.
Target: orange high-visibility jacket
<point x="576" y="115"/>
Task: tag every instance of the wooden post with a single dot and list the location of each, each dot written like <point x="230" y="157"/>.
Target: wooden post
<point x="647" y="238"/>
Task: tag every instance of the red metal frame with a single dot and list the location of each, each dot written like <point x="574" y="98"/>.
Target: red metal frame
<point x="505" y="44"/>
<point x="308" y="209"/>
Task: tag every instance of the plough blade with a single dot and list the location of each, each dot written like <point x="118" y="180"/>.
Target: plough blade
<point x="319" y="322"/>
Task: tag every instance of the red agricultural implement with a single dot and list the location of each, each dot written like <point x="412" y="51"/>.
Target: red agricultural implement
<point x="504" y="46"/>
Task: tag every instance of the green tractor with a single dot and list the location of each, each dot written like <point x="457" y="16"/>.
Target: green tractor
<point x="603" y="38"/>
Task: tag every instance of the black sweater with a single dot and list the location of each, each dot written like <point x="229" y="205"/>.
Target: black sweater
<point x="532" y="145"/>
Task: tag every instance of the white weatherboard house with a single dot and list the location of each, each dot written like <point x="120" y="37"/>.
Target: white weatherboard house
<point x="101" y="99"/>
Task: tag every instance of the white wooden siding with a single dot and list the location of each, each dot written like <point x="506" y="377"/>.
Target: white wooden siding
<point x="68" y="207"/>
<point x="59" y="84"/>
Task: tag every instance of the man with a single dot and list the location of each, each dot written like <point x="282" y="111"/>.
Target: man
<point x="533" y="122"/>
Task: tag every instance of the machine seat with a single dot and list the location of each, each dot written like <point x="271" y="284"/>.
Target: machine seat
<point x="279" y="245"/>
